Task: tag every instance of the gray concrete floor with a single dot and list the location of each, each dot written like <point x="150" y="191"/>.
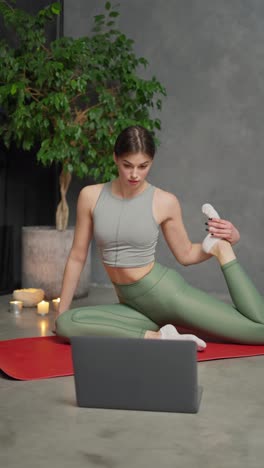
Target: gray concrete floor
<point x="41" y="426"/>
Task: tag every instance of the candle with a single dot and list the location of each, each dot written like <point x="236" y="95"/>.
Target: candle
<point x="43" y="308"/>
<point x="15" y="306"/>
<point x="55" y="304"/>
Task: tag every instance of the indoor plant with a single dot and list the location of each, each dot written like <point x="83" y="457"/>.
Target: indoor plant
<point x="70" y="98"/>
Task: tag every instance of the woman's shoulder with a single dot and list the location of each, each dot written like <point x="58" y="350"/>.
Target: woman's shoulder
<point x="90" y="194"/>
<point x="166" y="205"/>
<point x="90" y="190"/>
<point x="166" y="198"/>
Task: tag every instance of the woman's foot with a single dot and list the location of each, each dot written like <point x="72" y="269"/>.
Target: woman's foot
<point x="219" y="248"/>
<point x="223" y="251"/>
<point x="209" y="211"/>
<point x="169" y="332"/>
<point x="209" y="240"/>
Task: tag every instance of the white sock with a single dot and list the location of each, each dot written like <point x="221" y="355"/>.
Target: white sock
<point x="209" y="240"/>
<point x="169" y="332"/>
<point x="209" y="211"/>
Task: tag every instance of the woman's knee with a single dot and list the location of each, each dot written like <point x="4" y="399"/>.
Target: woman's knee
<point x="64" y="324"/>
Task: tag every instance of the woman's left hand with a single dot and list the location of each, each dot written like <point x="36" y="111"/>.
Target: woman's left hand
<point x="223" y="229"/>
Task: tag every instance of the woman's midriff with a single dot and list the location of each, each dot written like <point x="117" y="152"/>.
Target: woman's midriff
<point x="127" y="275"/>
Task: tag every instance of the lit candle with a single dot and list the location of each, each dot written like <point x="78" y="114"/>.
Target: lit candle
<point x="15" y="306"/>
<point x="43" y="308"/>
<point x="55" y="304"/>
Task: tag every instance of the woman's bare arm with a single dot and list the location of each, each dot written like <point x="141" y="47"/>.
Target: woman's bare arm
<point x="78" y="253"/>
<point x="186" y="252"/>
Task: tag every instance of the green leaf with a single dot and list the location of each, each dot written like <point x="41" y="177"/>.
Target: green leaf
<point x="56" y="8"/>
<point x="13" y="89"/>
<point x="69" y="168"/>
<point x="96" y="29"/>
<point x="84" y="168"/>
<point x="114" y="14"/>
<point x="143" y="61"/>
<point x="108" y="6"/>
<point x="99" y="18"/>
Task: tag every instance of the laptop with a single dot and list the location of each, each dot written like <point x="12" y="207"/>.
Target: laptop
<point x="136" y="374"/>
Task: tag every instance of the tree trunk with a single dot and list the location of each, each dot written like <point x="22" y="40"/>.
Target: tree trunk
<point x="62" y="213"/>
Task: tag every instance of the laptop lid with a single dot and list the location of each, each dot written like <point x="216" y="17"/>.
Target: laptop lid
<point x="135" y="374"/>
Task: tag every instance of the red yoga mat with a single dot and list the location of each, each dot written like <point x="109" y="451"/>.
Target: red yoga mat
<point x="46" y="357"/>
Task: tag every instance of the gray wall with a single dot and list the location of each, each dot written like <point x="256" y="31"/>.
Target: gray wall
<point x="210" y="57"/>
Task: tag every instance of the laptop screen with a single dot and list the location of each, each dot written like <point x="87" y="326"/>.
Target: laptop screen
<point x="138" y="374"/>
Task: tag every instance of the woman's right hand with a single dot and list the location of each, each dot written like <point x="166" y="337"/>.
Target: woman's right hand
<point x="223" y="229"/>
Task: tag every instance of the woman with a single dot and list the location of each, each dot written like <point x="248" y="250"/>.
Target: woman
<point x="124" y="216"/>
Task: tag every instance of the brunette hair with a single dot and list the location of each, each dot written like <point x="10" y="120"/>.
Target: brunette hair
<point x="135" y="139"/>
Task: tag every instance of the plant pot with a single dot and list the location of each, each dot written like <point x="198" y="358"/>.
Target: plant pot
<point x="44" y="254"/>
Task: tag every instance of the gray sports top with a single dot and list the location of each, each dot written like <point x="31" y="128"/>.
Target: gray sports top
<point x="125" y="230"/>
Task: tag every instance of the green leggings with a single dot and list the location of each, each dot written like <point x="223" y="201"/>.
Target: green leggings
<point x="161" y="297"/>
